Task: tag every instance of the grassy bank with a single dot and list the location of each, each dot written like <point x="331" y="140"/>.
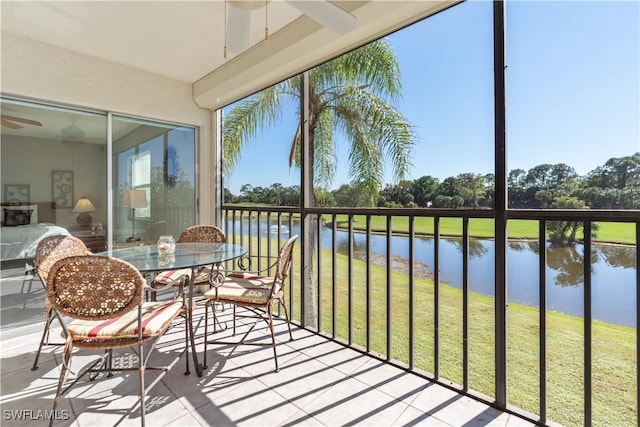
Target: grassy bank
<point x="610" y="232"/>
<point x="614" y="358"/>
<point x="613" y="348"/>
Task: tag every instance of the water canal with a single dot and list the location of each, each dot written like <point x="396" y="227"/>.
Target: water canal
<point x="613" y="270"/>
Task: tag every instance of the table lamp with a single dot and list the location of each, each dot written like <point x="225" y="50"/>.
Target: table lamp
<point x="83" y="207"/>
<point x="134" y="199"/>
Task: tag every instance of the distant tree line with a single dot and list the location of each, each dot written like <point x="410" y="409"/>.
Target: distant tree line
<point x="614" y="185"/>
<point x="276" y="195"/>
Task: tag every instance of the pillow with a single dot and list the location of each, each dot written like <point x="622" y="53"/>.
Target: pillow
<point x="34" y="213"/>
<point x="14" y="217"/>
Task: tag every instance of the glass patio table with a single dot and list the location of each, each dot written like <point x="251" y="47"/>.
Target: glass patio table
<point x="187" y="255"/>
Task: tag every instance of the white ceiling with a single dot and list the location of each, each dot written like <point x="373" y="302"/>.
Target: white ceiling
<point x="184" y="40"/>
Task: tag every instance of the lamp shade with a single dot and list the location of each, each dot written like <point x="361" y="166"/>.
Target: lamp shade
<point x="134" y="199"/>
<point x="84" y="205"/>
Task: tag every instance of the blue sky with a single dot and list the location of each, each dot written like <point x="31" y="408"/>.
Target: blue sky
<point x="573" y="92"/>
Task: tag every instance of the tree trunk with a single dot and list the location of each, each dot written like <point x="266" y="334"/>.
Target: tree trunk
<point x="309" y="318"/>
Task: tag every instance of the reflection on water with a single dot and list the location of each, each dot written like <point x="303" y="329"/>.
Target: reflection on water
<point x="476" y="248"/>
<point x="568" y="265"/>
<point x="521" y="246"/>
<point x="613" y="270"/>
<point x="618" y="256"/>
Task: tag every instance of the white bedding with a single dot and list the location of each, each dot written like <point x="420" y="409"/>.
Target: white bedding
<point x="21" y="241"/>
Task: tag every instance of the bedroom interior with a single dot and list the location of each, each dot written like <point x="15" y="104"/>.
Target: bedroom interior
<point x="68" y="165"/>
<point x="63" y="189"/>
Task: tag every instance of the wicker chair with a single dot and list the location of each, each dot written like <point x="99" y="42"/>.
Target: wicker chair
<point x="48" y="252"/>
<point x="103" y="296"/>
<point x="193" y="234"/>
<point x="253" y="291"/>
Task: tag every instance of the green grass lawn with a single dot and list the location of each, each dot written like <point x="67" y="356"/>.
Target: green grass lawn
<point x="614" y="386"/>
<point x="614" y="356"/>
<point x="613" y="349"/>
<point x="611" y="232"/>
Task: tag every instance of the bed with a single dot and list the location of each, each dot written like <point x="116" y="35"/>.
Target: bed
<point x="24" y="226"/>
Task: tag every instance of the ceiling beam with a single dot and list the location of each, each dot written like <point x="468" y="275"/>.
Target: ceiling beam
<point x="304" y="44"/>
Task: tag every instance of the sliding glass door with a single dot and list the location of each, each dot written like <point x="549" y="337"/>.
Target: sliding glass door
<point x="57" y="175"/>
<point x="53" y="174"/>
<point x="154" y="181"/>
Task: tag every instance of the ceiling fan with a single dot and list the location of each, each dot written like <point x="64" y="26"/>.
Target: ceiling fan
<point x="73" y="133"/>
<point x="12" y="122"/>
<point x="321" y="11"/>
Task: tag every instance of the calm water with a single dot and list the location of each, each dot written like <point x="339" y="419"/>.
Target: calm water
<point x="613" y="271"/>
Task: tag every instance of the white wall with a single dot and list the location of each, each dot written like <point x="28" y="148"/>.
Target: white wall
<point x="46" y="73"/>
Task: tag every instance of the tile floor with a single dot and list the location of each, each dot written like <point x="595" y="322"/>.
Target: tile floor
<point x="320" y="383"/>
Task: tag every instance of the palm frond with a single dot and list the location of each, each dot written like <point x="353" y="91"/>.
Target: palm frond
<point x="243" y="120"/>
<point x="374" y="65"/>
<point x="377" y="132"/>
<point x="325" y="161"/>
<point x="353" y="95"/>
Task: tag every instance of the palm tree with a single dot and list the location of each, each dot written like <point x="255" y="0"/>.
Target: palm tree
<point x="355" y="95"/>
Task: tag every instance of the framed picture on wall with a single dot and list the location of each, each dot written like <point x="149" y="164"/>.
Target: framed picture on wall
<point x="17" y="193"/>
<point x="62" y="189"/>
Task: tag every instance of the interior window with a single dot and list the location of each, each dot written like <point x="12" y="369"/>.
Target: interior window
<point x="154" y="179"/>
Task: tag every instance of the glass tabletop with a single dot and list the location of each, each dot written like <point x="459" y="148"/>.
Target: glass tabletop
<point x="186" y="255"/>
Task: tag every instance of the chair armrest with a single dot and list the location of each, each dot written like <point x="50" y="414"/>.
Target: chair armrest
<point x="246" y="263"/>
<point x="217" y="278"/>
<point x="169" y="285"/>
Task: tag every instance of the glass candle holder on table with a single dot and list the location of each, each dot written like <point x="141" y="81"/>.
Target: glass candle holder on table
<point x="166" y="245"/>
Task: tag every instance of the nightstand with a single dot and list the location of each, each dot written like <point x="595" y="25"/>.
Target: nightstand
<point x="95" y="242"/>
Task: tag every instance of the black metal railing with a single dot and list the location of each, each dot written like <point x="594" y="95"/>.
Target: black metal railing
<point x="388" y="311"/>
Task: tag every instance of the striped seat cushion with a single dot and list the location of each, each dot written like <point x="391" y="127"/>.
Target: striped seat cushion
<point x="167" y="277"/>
<point x="155" y="317"/>
<point x="243" y="287"/>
